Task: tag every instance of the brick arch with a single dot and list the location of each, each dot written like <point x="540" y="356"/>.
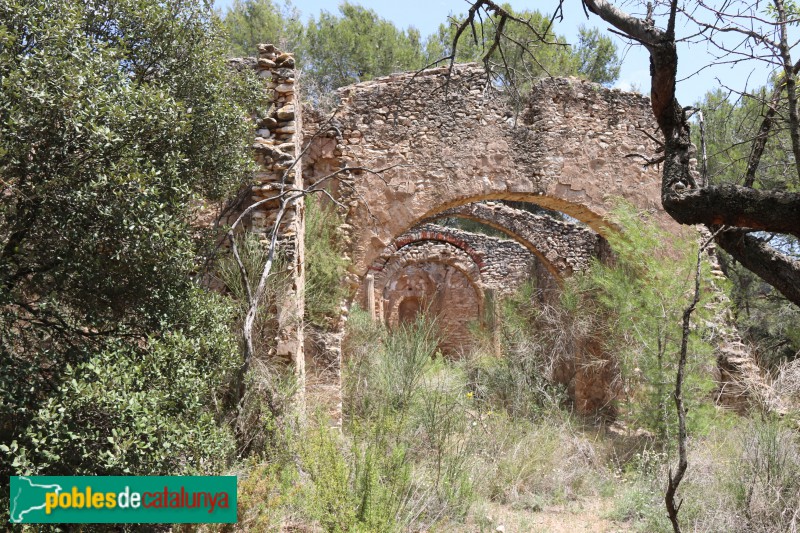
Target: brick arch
<point x="443" y="147"/>
<point x="453" y="255"/>
<point x="416" y="236"/>
<point x="445" y="253"/>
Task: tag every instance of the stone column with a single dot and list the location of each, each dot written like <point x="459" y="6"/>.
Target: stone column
<point x="276" y="145"/>
<point x="371" y="296"/>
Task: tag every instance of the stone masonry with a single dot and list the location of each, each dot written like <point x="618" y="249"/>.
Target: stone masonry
<point x="275" y="148"/>
<point x="417" y="269"/>
<point x="446" y="140"/>
<point x="563" y="247"/>
<point x="409" y="148"/>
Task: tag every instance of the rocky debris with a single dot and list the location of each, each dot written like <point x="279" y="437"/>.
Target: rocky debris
<point x="740" y="382"/>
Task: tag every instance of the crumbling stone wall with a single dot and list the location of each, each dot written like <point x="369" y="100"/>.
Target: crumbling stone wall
<point x="441" y="291"/>
<point x="504" y="264"/>
<point x="276" y="145"/>
<point x="446" y="140"/>
<point x="416" y="267"/>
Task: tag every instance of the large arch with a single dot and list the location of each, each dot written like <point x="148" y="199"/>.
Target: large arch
<point x="444" y="141"/>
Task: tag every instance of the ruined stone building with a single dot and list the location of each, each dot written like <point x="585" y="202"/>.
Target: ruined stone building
<point x="404" y="152"/>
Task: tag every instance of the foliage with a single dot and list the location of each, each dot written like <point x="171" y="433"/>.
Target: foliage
<point x="334" y="50"/>
<point x="534" y="340"/>
<point x="764" y="316"/>
<point x="268" y="386"/>
<point x="406" y="413"/>
<point x="530" y="464"/>
<point x="129" y="411"/>
<point x="638" y="298"/>
<point x="329" y="498"/>
<point x="116" y="117"/>
<point x="597" y="56"/>
<point x="356" y="46"/>
<point x="525" y="57"/>
<point x="253" y="22"/>
<point x="730" y="127"/>
<point x="743" y="477"/>
<point x="325" y="263"/>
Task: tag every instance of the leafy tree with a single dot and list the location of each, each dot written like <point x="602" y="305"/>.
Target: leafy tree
<point x="636" y="299"/>
<point x="765" y="317"/>
<point x="597" y="56"/>
<point x="252" y="22"/>
<point x="528" y="50"/>
<point x="116" y="117"/>
<point x="357" y="46"/>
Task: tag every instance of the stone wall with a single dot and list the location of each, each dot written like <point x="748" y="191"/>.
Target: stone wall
<point x="446" y="140"/>
<point x="504" y="264"/>
<point x="434" y="142"/>
<point x="275" y="147"/>
<point x="563" y="247"/>
<point x="418" y="266"/>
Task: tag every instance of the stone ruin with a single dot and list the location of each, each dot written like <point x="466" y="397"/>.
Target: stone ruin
<point x="404" y="152"/>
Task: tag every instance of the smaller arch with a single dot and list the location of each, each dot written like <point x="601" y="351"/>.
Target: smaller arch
<point x="408" y="309"/>
<point x="428" y="252"/>
<point x="423" y="234"/>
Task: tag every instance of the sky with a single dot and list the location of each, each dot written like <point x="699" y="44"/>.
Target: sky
<point x="695" y="75"/>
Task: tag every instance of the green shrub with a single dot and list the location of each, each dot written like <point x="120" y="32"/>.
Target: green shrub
<point x="405" y="412"/>
<point x="535" y="339"/>
<point x="328" y="497"/>
<point x="268" y="387"/>
<point x="635" y="305"/>
<point x="325" y="263"/>
<point x="150" y="410"/>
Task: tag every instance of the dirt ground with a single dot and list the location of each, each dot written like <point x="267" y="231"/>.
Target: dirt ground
<point x="584" y="516"/>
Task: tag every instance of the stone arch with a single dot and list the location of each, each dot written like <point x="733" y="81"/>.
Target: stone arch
<point x="416" y="248"/>
<point x="423" y="234"/>
<point x="565" y="150"/>
<point x="443" y="252"/>
<point x="563" y="247"/>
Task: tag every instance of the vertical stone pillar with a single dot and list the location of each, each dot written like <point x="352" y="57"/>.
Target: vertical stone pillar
<point x="382" y="310"/>
<point x="277" y="143"/>
<point x="371" y="296"/>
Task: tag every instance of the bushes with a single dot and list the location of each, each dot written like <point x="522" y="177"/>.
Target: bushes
<point x="406" y="411"/>
<point x="536" y="341"/>
<point x="635" y="306"/>
<point x="325" y="264"/>
<point x="743" y="477"/>
<point x="150" y="410"/>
